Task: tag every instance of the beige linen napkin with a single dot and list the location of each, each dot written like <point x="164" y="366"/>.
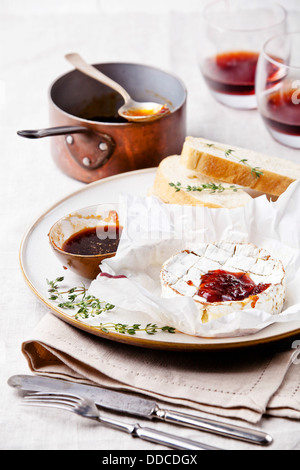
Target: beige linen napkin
<point x="242" y="384"/>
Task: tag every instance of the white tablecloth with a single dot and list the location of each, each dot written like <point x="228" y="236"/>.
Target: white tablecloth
<point x="33" y="43"/>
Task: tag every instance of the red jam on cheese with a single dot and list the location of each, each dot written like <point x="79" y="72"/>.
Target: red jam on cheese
<point x="223" y="286"/>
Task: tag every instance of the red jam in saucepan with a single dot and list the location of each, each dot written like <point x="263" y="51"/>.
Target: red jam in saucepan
<point x="223" y="286"/>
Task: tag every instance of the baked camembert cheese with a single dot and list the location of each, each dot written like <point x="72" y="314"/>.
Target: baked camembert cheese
<point x="225" y="277"/>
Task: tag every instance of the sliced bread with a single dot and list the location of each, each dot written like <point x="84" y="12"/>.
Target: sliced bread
<point x="239" y="166"/>
<point x="175" y="184"/>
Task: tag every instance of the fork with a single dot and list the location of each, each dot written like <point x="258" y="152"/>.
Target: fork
<point x="88" y="409"/>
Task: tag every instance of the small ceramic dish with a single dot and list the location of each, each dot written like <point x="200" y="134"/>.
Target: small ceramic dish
<point x="97" y="224"/>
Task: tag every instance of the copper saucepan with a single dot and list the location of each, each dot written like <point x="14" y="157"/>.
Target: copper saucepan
<point x="90" y="141"/>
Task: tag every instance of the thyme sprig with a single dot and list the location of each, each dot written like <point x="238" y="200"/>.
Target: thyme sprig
<point x="87" y="305"/>
<point x="90" y="306"/>
<point x="150" y="328"/>
<point x="255" y="171"/>
<point x="210" y="187"/>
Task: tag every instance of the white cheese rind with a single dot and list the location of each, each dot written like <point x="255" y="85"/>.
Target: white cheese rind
<point x="181" y="276"/>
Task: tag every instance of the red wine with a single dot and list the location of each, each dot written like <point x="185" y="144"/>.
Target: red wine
<point x="232" y="72"/>
<point x="281" y="111"/>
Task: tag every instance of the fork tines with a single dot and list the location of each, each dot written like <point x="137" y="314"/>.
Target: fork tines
<point x="52" y="399"/>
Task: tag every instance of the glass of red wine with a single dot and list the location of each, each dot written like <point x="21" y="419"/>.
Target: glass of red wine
<point x="235" y="32"/>
<point x="278" y="88"/>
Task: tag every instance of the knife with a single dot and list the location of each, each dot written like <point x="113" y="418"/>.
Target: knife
<point x="133" y="405"/>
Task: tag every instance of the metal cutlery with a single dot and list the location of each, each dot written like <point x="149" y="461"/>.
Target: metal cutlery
<point x="88" y="409"/>
<point x="136" y="406"/>
<point x="132" y="110"/>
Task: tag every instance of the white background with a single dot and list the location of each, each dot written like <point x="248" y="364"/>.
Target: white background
<point x="111" y="6"/>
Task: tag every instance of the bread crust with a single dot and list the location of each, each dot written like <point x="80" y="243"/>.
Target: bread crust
<point x="168" y="195"/>
<point x="226" y="170"/>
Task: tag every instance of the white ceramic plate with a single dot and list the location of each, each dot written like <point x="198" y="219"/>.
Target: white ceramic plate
<point x="38" y="263"/>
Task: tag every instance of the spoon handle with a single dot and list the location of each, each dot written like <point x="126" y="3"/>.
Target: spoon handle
<point x="80" y="64"/>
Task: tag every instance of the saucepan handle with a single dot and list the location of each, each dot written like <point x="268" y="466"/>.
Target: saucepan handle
<point x="91" y="150"/>
<point x="52" y="132"/>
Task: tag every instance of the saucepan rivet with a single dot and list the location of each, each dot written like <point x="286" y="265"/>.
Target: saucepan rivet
<point x="86" y="161"/>
<point x="69" y="139"/>
<point x="103" y="146"/>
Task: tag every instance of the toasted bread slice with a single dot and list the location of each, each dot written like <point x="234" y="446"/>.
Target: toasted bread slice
<point x="239" y="166"/>
<point x="171" y="171"/>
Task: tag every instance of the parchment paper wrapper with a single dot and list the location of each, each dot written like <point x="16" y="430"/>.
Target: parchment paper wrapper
<point x="154" y="231"/>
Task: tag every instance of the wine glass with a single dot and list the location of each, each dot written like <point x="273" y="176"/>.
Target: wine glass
<point x="235" y="32"/>
<point x="278" y="88"/>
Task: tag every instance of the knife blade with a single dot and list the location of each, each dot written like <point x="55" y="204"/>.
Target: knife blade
<point x="129" y="404"/>
<point x="104" y="398"/>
